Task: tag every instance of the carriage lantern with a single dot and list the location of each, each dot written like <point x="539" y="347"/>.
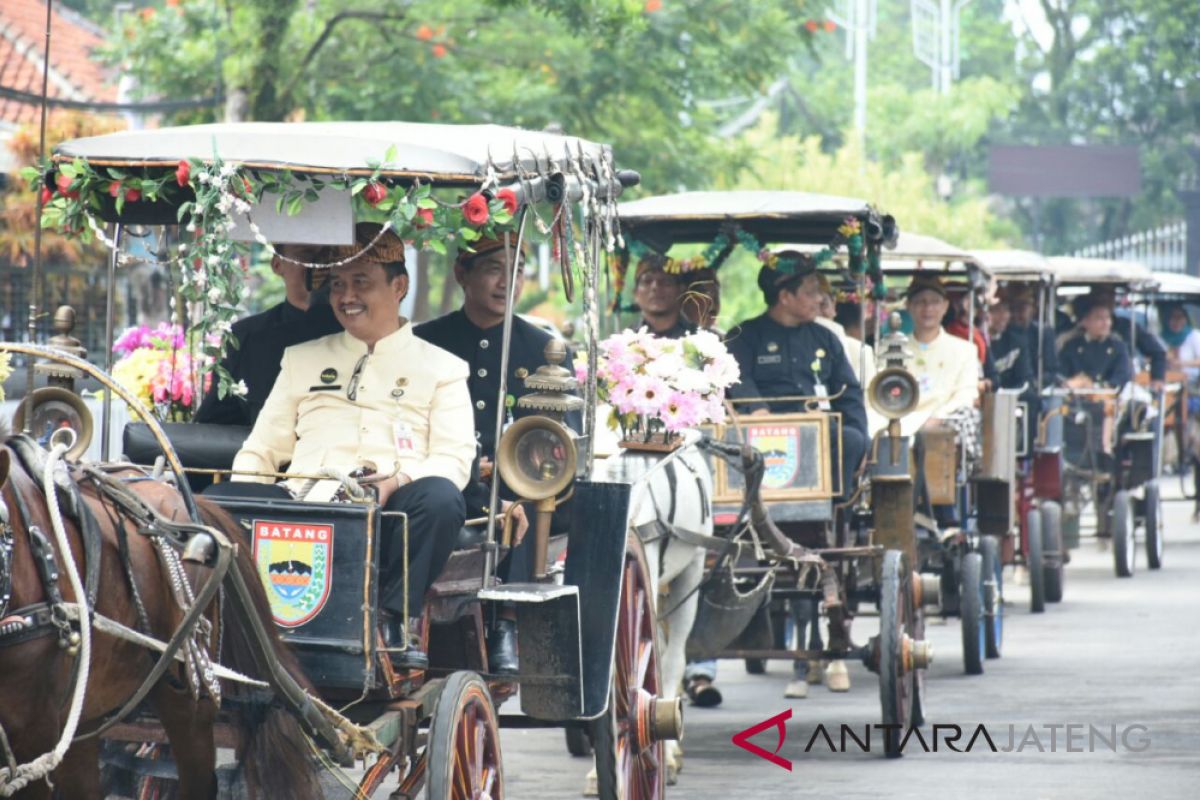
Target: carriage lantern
<point x="538" y="455"/>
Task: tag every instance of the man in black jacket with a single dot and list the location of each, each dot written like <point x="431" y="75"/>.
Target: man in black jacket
<point x="262" y="338"/>
<point x="475" y="334"/>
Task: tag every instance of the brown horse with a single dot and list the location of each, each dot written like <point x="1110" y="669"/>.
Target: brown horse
<point x="35" y="675"/>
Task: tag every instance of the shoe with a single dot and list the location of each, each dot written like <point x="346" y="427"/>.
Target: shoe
<point x="703" y="694"/>
<point x="502" y="648"/>
<point x="796" y="690"/>
<point x="837" y="677"/>
<point x="816" y="672"/>
<point x="412" y="656"/>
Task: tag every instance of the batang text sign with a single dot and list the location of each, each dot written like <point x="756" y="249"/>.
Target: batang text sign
<point x="797" y="451"/>
<point x="1065" y="171"/>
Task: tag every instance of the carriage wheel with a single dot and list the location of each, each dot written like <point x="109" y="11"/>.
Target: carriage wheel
<point x="1124" y="541"/>
<point x="993" y="596"/>
<point x="973" y="637"/>
<point x="917" y="632"/>
<point x="629" y="762"/>
<point x="897" y="680"/>
<point x="464" y="743"/>
<point x="1035" y="557"/>
<point x="1052" y="550"/>
<point x="1154" y="526"/>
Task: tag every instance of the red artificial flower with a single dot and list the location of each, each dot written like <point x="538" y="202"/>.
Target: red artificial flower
<point x="811" y="26"/>
<point x="424" y="218"/>
<point x="47" y="195"/>
<point x="114" y="188"/>
<point x="249" y="187"/>
<point x="63" y="182"/>
<point x="374" y="193"/>
<point x="509" y="198"/>
<point x="475" y="210"/>
<point x="183" y="173"/>
<point x="133" y="195"/>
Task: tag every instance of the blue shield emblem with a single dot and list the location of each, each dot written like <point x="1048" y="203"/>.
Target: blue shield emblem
<point x="293" y="562"/>
<point x="781" y="452"/>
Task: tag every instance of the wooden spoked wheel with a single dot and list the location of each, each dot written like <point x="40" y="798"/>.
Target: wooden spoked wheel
<point x="463" y="754"/>
<point x="629" y="761"/>
<point x="893" y="656"/>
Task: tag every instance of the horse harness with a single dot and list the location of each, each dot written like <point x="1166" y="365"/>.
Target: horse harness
<point x="55" y="616"/>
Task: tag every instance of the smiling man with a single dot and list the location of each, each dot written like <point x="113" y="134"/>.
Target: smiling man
<point x="375" y="396"/>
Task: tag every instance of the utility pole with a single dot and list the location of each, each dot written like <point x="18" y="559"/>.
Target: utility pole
<point x="858" y="19"/>
<point x="935" y="27"/>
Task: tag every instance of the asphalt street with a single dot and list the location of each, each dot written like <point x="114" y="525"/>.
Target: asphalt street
<point x="1116" y="654"/>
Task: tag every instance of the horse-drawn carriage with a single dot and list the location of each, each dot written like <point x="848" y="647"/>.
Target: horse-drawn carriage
<point x="1028" y="282"/>
<point x="1113" y="431"/>
<point x="792" y="533"/>
<point x="586" y="632"/>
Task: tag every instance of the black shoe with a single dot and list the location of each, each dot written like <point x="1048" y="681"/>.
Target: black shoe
<point x="502" y="648"/>
<point x="412" y="656"/>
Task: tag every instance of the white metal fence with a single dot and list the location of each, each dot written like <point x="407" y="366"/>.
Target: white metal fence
<point x="1162" y="249"/>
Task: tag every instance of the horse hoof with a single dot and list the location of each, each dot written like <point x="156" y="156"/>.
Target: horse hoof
<point x="592" y="787"/>
<point x="703" y="694"/>
<point x="796" y="690"/>
<point x="816" y="672"/>
<point x="672" y="775"/>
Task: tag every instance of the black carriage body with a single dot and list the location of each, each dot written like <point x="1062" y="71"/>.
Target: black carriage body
<point x="330" y="627"/>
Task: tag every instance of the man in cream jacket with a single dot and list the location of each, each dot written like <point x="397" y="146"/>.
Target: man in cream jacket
<point x="946" y="367"/>
<point x="376" y="396"/>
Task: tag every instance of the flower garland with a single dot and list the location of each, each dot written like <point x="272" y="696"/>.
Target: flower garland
<point x="212" y="195"/>
<point x="5" y="371"/>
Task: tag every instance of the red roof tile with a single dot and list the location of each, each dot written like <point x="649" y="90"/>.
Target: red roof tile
<point x="75" y="75"/>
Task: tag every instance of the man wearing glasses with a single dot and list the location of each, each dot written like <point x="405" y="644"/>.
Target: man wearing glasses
<point x="377" y="397"/>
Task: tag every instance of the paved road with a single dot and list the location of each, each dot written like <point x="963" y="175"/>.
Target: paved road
<point x="1113" y="653"/>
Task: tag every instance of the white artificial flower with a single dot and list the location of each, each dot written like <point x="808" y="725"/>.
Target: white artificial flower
<point x="238" y="389"/>
<point x="214" y="295"/>
<point x="214" y="261"/>
<point x="707" y="343"/>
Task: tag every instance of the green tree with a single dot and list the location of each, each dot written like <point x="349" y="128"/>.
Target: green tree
<point x="1111" y="72"/>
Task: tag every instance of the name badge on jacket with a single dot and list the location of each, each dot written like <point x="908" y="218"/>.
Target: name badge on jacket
<point x="772" y="359"/>
<point x="405" y="442"/>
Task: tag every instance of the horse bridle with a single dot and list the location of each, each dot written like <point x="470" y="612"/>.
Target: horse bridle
<point x="6" y="549"/>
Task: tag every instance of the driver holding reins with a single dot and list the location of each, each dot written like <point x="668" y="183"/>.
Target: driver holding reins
<point x="378" y="397"/>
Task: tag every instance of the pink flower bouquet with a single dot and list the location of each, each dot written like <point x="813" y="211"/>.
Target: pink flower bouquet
<point x="159" y="368"/>
<point x="662" y="386"/>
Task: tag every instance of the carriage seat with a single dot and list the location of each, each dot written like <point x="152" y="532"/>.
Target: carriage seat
<point x="200" y="446"/>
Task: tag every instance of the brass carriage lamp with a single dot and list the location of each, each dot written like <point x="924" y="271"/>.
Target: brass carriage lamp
<point x="56" y="405"/>
<point x="894" y="391"/>
<point x="538" y="454"/>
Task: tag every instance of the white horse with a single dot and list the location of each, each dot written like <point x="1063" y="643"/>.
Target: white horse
<point x="671" y="491"/>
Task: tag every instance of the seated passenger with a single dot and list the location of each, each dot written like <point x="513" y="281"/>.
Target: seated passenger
<point x="1095" y="356"/>
<point x="659" y="296"/>
<point x="946" y="367"/>
<point x="375" y="396"/>
<point x="959" y="323"/>
<point x="262" y="338"/>
<point x="786" y="353"/>
<point x="1023" y="307"/>
<point x="475" y="334"/>
<point x="1136" y="336"/>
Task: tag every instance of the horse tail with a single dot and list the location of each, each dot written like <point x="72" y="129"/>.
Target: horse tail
<point x="272" y="746"/>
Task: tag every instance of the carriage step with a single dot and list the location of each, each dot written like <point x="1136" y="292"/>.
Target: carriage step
<point x="549" y="646"/>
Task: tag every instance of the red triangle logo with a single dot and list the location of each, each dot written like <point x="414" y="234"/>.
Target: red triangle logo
<point x="742" y="739"/>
